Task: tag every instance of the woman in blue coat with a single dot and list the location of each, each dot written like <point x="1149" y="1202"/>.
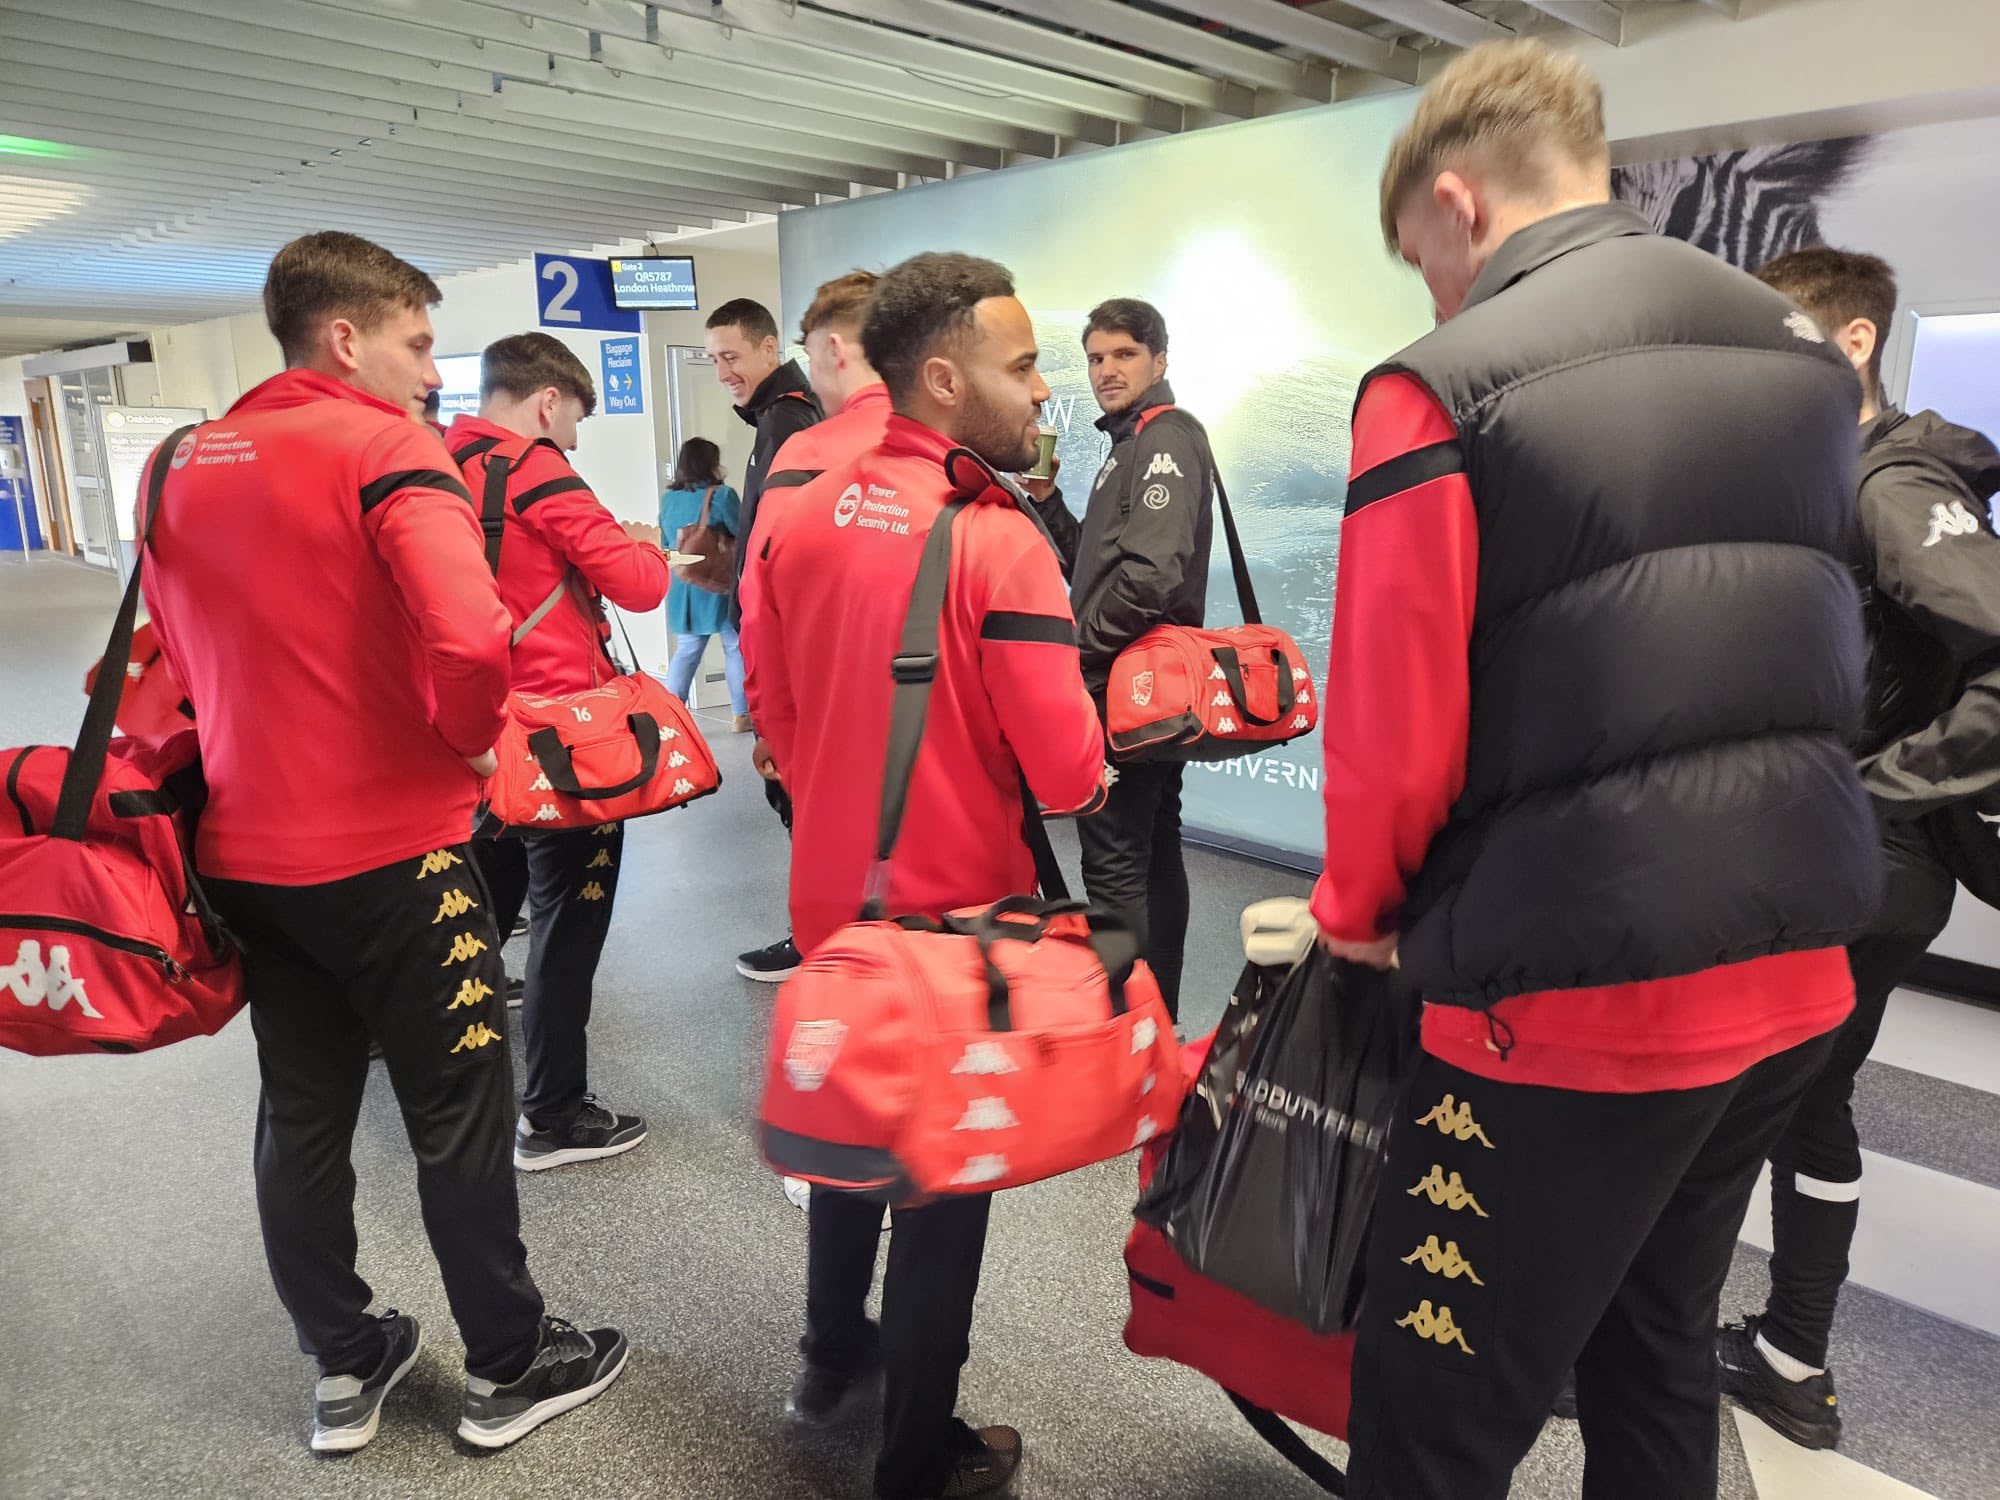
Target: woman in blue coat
<point x="694" y="614"/>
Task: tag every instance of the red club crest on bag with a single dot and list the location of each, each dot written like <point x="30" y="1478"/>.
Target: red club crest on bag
<point x="1142" y="689"/>
<point x="810" y="1053"/>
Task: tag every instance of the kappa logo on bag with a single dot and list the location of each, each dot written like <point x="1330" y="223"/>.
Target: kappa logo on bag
<point x="978" y="1169"/>
<point x="33" y="982"/>
<point x="1225" y="725"/>
<point x="810" y="1053"/>
<point x="1142" y="689"/>
<point x="547" y="813"/>
<point x="683" y="787"/>
<point x="1146" y="1131"/>
<point x="987" y="1114"/>
<point x="1144" y="1034"/>
<point x="985" y="1058"/>
<point x="542" y="784"/>
<point x="677" y="760"/>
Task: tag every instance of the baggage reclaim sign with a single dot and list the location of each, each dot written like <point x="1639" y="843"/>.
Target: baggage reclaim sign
<point x="623" y="386"/>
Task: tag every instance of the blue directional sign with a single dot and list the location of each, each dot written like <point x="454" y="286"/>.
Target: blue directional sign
<point x="624" y="384"/>
<point x="573" y="291"/>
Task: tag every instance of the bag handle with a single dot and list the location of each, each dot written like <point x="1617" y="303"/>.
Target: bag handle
<point x="557" y="762"/>
<point x="1302" y="1456"/>
<point x="1232" y="672"/>
<point x="1246" y="593"/>
<point x="85" y="772"/>
<point x="1114" y="944"/>
<point x="706" y="496"/>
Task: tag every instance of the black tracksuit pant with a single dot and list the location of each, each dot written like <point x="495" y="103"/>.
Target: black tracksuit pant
<point x="927" y="1296"/>
<point x="409" y="955"/>
<point x="1133" y="864"/>
<point x="1816" y="1163"/>
<point x="1521" y="1232"/>
<point x="568" y="879"/>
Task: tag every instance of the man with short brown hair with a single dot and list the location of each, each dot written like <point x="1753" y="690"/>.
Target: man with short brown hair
<point x="317" y="581"/>
<point x="562" y="555"/>
<point x="1929" y="566"/>
<point x="1597" y="655"/>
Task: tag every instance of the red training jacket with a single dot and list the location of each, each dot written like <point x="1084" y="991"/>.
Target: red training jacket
<point x="558" y="529"/>
<point x="317" y="581"/>
<point x="824" y="595"/>
<point x="1395" y="721"/>
<point x="857" y="428"/>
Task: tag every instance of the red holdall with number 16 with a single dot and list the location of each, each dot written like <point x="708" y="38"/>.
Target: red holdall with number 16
<point x="1182" y="692"/>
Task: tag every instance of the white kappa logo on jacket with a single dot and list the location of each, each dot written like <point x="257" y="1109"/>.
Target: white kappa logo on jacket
<point x="1163" y="463"/>
<point x="1950" y="520"/>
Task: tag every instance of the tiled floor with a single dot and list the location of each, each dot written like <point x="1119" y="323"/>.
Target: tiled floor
<point x="142" y="1353"/>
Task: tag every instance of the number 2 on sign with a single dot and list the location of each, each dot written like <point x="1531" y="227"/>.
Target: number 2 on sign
<point x="582" y="714"/>
<point x="559" y="310"/>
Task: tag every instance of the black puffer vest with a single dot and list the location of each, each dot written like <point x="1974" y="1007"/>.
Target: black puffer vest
<point x="1667" y="654"/>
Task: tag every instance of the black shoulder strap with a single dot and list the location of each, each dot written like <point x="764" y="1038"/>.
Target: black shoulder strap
<point x="93" y="741"/>
<point x="1272" y="1428"/>
<point x="1246" y="593"/>
<point x="915" y="669"/>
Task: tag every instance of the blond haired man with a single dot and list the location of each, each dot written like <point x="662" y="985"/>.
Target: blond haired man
<point x="1599" y="656"/>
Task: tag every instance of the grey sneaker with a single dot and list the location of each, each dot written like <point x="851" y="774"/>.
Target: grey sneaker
<point x="595" y="1133"/>
<point x="570" y="1368"/>
<point x="348" y="1408"/>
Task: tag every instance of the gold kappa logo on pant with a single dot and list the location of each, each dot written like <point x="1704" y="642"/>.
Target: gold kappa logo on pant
<point x="479" y="1034"/>
<point x="437" y="862"/>
<point x="1455" y="1120"/>
<point x="592" y="891"/>
<point x="464" y="946"/>
<point x="1443" y="1260"/>
<point x="455" y="904"/>
<point x="605" y="830"/>
<point x="1436" y="1326"/>
<point x="1446" y="1192"/>
<point x="603" y="861"/>
<point x="471" y="993"/>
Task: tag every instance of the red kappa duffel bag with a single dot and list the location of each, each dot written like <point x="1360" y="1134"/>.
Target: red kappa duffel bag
<point x="922" y="1056"/>
<point x="620" y="750"/>
<point x="105" y="941"/>
<point x="1183" y="692"/>
<point x="153" y="703"/>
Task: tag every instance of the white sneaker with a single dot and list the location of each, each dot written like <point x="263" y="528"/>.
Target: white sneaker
<point x="799" y="1192"/>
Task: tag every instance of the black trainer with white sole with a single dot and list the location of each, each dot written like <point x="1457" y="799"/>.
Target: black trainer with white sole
<point x="348" y="1408"/>
<point x="595" y="1133"/>
<point x="985" y="1463"/>
<point x="570" y="1368"/>
<point x="772" y="965"/>
<point x="1806" y="1411"/>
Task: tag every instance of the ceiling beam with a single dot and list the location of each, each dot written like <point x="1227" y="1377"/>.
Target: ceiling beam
<point x="1276" y="21"/>
<point x="1168" y="38"/>
<point x="999" y="81"/>
<point x="1437" y="18"/>
<point x="984" y="31"/>
<point x="1599" y="18"/>
<point x="1730" y="8"/>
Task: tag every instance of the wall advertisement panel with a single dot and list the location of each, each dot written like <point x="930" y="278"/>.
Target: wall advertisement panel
<point x="1262" y="245"/>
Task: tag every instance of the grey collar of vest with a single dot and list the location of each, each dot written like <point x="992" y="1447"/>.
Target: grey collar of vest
<point x="1528" y="250"/>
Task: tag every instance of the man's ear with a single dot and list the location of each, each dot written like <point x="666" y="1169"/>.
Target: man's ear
<point x="340" y="338"/>
<point x="941" y="380"/>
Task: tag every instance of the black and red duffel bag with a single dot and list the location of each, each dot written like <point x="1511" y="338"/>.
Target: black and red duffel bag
<point x="105" y="941"/>
<point x="622" y="749"/>
<point x="921" y="1057"/>
<point x="1186" y="692"/>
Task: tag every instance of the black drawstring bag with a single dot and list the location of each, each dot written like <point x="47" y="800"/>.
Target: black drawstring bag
<point x="1268" y="1185"/>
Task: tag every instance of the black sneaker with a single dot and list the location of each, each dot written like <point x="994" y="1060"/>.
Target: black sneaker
<point x="986" y="1464"/>
<point x="595" y="1132"/>
<point x="347" y="1408"/>
<point x="820" y="1391"/>
<point x="517" y="991"/>
<point x="520" y="928"/>
<point x="1806" y="1411"/>
<point x="570" y="1368"/>
<point x="770" y="965"/>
